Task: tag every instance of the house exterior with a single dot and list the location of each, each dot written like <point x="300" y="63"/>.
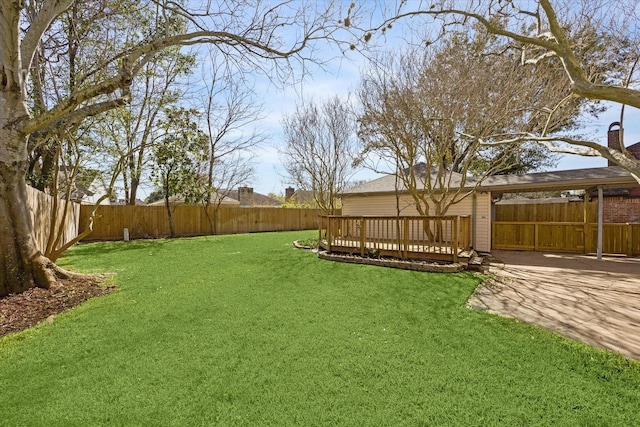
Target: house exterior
<point x="380" y="197"/>
<point x="385" y="203"/>
<point x="299" y="197"/>
<point x="621" y="205"/>
<point x="90" y="195"/>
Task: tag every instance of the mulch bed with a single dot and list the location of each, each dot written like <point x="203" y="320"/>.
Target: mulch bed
<point x="22" y="311"/>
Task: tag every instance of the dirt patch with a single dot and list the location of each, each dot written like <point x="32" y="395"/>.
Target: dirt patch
<point x="22" y="311"/>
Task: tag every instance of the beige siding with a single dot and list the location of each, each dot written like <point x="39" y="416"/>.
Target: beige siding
<point x="482" y="236"/>
<point x="386" y="205"/>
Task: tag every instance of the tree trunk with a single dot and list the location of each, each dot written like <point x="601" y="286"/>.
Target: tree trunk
<point x="167" y="205"/>
<point x="22" y="265"/>
<point x="133" y="189"/>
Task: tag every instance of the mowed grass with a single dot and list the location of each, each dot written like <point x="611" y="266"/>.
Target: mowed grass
<point x="246" y="330"/>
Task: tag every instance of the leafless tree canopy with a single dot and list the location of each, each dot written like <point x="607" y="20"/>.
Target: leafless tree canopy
<point x="434" y="109"/>
<point x="597" y="44"/>
<point x="320" y="149"/>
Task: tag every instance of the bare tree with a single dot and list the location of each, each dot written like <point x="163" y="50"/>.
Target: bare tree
<point x="565" y="31"/>
<point x="320" y="149"/>
<point x="229" y="107"/>
<point x="249" y="36"/>
<point x="427" y="112"/>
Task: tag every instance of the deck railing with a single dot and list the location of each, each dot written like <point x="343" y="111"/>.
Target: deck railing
<point x="404" y="237"/>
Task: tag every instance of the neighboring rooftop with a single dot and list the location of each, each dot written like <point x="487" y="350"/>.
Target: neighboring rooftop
<point x="226" y="201"/>
<point x="301" y="197"/>
<point x="258" y="199"/>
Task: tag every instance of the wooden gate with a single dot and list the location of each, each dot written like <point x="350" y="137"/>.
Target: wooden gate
<point x="560" y="228"/>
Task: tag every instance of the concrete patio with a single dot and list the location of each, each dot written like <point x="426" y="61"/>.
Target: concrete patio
<point x="578" y="296"/>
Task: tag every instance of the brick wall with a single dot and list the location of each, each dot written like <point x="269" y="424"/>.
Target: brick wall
<point x="621" y="209"/>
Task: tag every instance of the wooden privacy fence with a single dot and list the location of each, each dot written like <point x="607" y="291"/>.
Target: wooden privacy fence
<point x="547" y="212"/>
<point x="41" y="209"/>
<point x="145" y="222"/>
<point x="405" y="237"/>
<point x="561" y="228"/>
<point x="567" y="237"/>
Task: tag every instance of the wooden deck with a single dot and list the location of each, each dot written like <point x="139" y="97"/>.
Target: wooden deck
<point x="409" y="237"/>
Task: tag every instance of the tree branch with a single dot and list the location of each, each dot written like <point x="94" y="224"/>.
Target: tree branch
<point x="133" y="61"/>
<point x="73" y="120"/>
<point x="50" y="10"/>
<point x="558" y="44"/>
<point x="590" y="148"/>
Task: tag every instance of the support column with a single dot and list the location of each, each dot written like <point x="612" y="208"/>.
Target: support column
<point x="474" y="213"/>
<point x="587" y="229"/>
<point x="600" y="220"/>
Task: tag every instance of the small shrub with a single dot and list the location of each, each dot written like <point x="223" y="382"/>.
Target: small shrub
<point x="311" y="242"/>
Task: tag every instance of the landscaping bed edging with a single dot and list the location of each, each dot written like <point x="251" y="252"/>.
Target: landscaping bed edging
<point x="394" y="263"/>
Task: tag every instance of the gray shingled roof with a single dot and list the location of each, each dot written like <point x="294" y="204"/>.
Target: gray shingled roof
<point x="608" y="177"/>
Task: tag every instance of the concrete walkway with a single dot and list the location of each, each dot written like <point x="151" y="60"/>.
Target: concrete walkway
<point x="597" y="302"/>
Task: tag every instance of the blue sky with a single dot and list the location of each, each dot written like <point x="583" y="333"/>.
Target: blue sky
<point x="342" y="76"/>
<point x="323" y="85"/>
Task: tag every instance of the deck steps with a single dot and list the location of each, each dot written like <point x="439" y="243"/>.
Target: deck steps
<point x="477" y="263"/>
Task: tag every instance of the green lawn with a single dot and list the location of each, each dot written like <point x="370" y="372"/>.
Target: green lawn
<point x="246" y="330"/>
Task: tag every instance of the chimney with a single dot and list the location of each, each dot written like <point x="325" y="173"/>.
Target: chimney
<point x="288" y="193"/>
<point x="245" y="195"/>
<point x="613" y="139"/>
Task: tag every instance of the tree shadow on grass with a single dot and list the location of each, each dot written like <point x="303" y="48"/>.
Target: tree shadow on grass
<point x="105" y="248"/>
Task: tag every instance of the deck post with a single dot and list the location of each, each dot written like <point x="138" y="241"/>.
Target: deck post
<point x="363" y="234"/>
<point x="406" y="238"/>
<point x="329" y="233"/>
<point x="454" y="243"/>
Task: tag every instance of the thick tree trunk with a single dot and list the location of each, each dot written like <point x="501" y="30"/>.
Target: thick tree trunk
<point x="133" y="190"/>
<point x="22" y="265"/>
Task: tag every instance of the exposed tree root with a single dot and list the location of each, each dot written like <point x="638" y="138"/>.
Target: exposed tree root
<point x="48" y="274"/>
